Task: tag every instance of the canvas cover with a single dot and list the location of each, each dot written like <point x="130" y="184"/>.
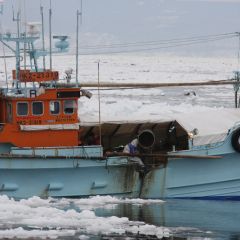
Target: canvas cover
<point x="212" y="126"/>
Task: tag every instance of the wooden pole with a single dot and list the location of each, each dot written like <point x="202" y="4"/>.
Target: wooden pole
<point x="107" y="155"/>
<point x="147" y="85"/>
<point x="155" y="85"/>
<point x="113" y="154"/>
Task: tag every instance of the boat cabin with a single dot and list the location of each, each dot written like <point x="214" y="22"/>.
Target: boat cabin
<point x="39" y="116"/>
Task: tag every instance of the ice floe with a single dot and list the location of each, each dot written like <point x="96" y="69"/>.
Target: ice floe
<point x="53" y="218"/>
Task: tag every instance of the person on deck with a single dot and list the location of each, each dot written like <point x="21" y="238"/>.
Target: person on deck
<point x="131" y="147"/>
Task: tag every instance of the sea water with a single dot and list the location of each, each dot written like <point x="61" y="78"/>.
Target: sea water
<point x="108" y="217"/>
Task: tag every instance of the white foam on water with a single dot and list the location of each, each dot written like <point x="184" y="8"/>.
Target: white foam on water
<point x="44" y="219"/>
<point x="109" y="202"/>
<point x="104" y="201"/>
<point x="20" y="233"/>
<point x="83" y="237"/>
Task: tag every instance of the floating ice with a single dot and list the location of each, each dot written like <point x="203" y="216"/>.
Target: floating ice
<point x="108" y="202"/>
<point x="52" y="218"/>
<point x="20" y="233"/>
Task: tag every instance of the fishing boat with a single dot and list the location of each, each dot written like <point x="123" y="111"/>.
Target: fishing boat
<point x="45" y="150"/>
<point x="42" y="151"/>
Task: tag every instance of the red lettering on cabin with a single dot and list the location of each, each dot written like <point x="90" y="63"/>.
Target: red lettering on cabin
<point x="28" y="76"/>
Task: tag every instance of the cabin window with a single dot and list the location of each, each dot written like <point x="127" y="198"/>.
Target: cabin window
<point x="22" y="108"/>
<point x="54" y="107"/>
<point x="9" y="112"/>
<point x="37" y="108"/>
<point x="69" y="106"/>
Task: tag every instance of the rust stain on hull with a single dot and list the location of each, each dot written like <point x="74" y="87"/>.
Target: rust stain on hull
<point x="153" y="182"/>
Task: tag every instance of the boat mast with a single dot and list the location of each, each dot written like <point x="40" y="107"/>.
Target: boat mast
<point x="25" y="44"/>
<point x="99" y="106"/>
<point x="79" y="13"/>
<point x="50" y="35"/>
<point x="43" y="40"/>
<point x="17" y="19"/>
<point x="237" y="76"/>
<point x="3" y="48"/>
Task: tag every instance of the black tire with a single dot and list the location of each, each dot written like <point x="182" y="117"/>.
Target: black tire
<point x="236" y="140"/>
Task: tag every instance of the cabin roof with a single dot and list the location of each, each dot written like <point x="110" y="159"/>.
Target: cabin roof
<point x="212" y="125"/>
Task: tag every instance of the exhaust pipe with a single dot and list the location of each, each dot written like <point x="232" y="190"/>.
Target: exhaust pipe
<point x="146" y="139"/>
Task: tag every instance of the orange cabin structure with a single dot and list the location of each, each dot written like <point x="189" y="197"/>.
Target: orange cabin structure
<point x="45" y="117"/>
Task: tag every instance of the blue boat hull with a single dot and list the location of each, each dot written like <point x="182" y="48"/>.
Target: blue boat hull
<point x="23" y="178"/>
<point x="193" y="178"/>
<point x="197" y="178"/>
<point x="181" y="178"/>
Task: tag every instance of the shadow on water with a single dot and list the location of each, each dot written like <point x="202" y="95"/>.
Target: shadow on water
<point x="186" y="218"/>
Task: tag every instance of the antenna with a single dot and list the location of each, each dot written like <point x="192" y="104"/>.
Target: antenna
<point x="77" y="36"/>
<point x="43" y="40"/>
<point x="17" y="19"/>
<point x="25" y="33"/>
<point x="50" y="34"/>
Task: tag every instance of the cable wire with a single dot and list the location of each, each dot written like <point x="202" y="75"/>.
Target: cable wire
<point x="166" y="41"/>
<point x="162" y="45"/>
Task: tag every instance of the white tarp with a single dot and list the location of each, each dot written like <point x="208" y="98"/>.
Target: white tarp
<point x="212" y="126"/>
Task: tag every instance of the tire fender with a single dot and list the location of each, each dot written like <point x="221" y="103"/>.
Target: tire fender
<point x="236" y="140"/>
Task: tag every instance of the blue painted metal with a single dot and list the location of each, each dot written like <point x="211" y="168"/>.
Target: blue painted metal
<point x="197" y="178"/>
<point x="66" y="175"/>
<point x="55" y="186"/>
<point x="99" y="184"/>
<point x="80" y="151"/>
<point x="9" y="187"/>
<point x="62" y="45"/>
